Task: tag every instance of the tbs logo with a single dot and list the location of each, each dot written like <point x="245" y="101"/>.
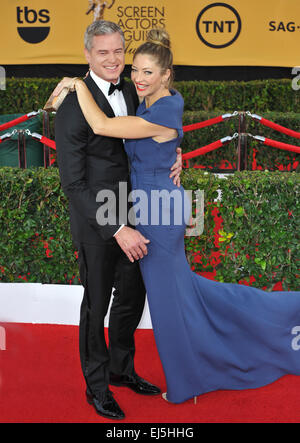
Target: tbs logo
<point x="32" y="34"/>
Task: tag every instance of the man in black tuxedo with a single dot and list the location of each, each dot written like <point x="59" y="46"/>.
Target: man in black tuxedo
<point x="108" y="254"/>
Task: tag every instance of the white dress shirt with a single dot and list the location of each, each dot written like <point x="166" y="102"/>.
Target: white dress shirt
<point x="116" y="101"/>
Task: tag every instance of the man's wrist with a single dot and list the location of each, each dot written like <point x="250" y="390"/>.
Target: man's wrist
<point x="122" y="226"/>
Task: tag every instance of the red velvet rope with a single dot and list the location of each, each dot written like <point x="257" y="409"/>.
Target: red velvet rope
<point x="187" y="128"/>
<point x="14" y="122"/>
<point x="192" y="127"/>
<point x="279" y="128"/>
<point x="44" y="140"/>
<point x="280" y="145"/>
<point x="48" y="142"/>
<point x="200" y="125"/>
<point x="203" y="150"/>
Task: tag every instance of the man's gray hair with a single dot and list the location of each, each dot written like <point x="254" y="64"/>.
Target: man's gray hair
<point x="101" y="27"/>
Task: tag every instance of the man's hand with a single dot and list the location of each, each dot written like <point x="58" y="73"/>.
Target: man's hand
<point x="132" y="242"/>
<point x="177" y="168"/>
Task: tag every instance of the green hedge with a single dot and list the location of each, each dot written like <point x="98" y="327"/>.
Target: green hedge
<point x="260" y="230"/>
<point x="262" y="211"/>
<point x="25" y="95"/>
<point x="36" y="245"/>
<point x="255" y="96"/>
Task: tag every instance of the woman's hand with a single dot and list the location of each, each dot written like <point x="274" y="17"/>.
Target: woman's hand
<point x="66" y="82"/>
<point x="177" y="168"/>
<point x="59" y="93"/>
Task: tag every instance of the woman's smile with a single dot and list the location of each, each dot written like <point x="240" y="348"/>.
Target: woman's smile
<point x="140" y="87"/>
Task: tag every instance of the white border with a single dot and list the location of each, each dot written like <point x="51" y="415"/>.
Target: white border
<point x="47" y="304"/>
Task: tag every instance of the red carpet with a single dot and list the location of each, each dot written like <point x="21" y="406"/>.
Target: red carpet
<point x="41" y="382"/>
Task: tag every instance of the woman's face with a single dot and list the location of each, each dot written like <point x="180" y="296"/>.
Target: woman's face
<point x="147" y="77"/>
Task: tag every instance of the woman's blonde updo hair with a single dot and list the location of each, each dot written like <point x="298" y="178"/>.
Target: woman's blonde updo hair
<point x="158" y="46"/>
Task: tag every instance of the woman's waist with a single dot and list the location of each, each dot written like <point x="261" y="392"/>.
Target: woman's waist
<point x="155" y="178"/>
<point x="149" y="171"/>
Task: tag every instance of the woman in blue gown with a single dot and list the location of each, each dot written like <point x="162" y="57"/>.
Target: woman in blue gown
<point x="209" y="335"/>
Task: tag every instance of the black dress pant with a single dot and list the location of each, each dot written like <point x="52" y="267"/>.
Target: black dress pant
<point x="103" y="267"/>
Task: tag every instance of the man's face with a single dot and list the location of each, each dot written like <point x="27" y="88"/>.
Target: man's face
<point x="107" y="57"/>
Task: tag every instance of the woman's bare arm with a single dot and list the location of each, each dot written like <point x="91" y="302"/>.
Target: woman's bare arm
<point x="120" y="127"/>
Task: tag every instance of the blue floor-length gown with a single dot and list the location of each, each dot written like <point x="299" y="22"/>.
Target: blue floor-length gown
<point x="209" y="335"/>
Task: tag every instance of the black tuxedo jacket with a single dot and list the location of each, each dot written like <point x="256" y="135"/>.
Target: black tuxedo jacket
<point x="89" y="163"/>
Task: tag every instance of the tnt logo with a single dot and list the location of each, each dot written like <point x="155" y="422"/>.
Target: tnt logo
<point x="2" y="339"/>
<point x="28" y="17"/>
<point x="218" y="25"/>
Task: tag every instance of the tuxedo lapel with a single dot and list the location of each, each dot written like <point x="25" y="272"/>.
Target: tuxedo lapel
<point x="128" y="96"/>
<point x="99" y="97"/>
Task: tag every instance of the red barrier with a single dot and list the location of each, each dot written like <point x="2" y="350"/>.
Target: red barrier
<point x="203" y="124"/>
<point x="18" y="120"/>
<point x="276" y="144"/>
<point x="200" y="151"/>
<point x="203" y="150"/>
<point x="275" y="126"/>
<point x="211" y="121"/>
<point x="208" y="148"/>
<point x="44" y="140"/>
<point x="280" y="145"/>
<point x="48" y="142"/>
<point x="187" y="128"/>
<point x="280" y="128"/>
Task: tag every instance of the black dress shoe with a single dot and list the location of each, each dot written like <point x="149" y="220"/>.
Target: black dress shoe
<point x="105" y="405"/>
<point x="134" y="382"/>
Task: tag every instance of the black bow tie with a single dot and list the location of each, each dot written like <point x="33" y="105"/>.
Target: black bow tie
<point x="118" y="86"/>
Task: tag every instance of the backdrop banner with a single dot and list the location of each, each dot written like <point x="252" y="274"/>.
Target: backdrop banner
<point x="203" y="33"/>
